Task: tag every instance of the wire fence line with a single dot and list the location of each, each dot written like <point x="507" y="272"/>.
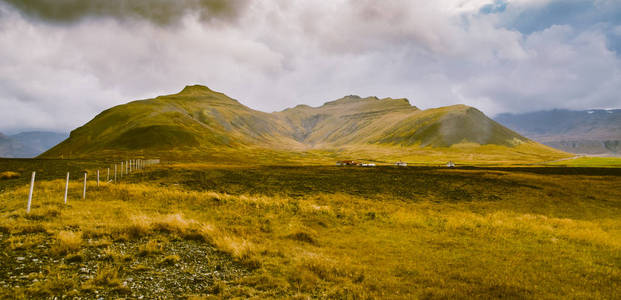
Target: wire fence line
<point x="126" y="168"/>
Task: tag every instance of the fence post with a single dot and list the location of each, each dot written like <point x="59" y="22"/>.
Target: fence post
<point x="84" y="192"/>
<point x="31" y="189"/>
<point x="122" y="170"/>
<point x="108" y="178"/>
<point x="114" y="173"/>
<point x="66" y="187"/>
<point x="97" y="178"/>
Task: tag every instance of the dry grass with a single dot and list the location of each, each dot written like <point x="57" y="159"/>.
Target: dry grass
<point x="51" y="286"/>
<point x="107" y="276"/>
<point x="543" y="236"/>
<point x="150" y="248"/>
<point x="8" y="175"/>
<point x="67" y="242"/>
<point x="170" y="260"/>
<point x="24" y="242"/>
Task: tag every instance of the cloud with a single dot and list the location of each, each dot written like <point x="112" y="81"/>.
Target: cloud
<point x="157" y="11"/>
<point x="564" y="68"/>
<point x="280" y="53"/>
<point x="529" y="16"/>
<point x="70" y="74"/>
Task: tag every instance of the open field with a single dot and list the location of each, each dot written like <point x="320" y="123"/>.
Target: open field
<point x="611" y="162"/>
<point x="200" y="230"/>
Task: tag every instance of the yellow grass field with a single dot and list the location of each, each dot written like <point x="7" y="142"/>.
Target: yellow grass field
<point x="196" y="232"/>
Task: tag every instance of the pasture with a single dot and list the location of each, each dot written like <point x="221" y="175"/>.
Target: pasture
<point x="207" y="231"/>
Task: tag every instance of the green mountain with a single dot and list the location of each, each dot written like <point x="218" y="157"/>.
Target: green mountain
<point x="198" y="122"/>
<point x="355" y="120"/>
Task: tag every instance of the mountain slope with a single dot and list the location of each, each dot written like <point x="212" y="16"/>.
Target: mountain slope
<point x="28" y="144"/>
<point x="197" y="117"/>
<point x="583" y="132"/>
<point x="198" y="122"/>
<point x="355" y="120"/>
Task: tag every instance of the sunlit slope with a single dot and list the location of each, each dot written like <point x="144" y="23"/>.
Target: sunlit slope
<point x="345" y="121"/>
<point x="354" y="120"/>
<point x="201" y="124"/>
<point x="195" y="118"/>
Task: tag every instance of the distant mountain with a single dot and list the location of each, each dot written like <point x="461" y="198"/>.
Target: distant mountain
<point x="200" y="121"/>
<point x="583" y="132"/>
<point x="28" y="144"/>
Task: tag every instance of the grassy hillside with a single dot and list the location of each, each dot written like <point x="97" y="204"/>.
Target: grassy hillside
<point x="192" y="230"/>
<point x="196" y="118"/>
<point x="199" y="123"/>
<point x="354" y="120"/>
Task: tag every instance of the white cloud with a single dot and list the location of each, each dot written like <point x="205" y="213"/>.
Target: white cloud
<point x="278" y="54"/>
<point x="564" y="69"/>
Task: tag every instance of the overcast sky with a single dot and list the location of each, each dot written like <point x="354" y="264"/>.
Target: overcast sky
<point x="63" y="62"/>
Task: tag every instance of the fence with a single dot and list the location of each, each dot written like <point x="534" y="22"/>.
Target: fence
<point x="126" y="167"/>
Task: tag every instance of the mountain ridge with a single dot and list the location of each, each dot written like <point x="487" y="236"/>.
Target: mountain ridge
<point x="594" y="131"/>
<point x="198" y="119"/>
<point x="28" y="144"/>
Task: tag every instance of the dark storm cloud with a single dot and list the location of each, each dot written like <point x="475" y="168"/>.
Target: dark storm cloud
<point x="157" y="11"/>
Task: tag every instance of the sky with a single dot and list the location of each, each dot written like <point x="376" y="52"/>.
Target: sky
<point x="64" y="61"/>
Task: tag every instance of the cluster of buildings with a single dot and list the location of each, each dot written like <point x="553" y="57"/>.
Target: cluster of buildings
<point x="450" y="164"/>
<point x="354" y="163"/>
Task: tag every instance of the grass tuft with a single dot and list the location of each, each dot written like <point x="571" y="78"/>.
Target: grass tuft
<point x="75" y="258"/>
<point x="170" y="260"/>
<point x="8" y="175"/>
<point x="150" y="248"/>
<point x="67" y="242"/>
<point x="108" y="276"/>
<point x="303" y="237"/>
